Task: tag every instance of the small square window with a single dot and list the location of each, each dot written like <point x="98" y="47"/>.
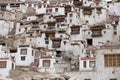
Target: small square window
<point x="115" y="33"/>
<point x="19" y="30"/>
<point x="23" y="58"/>
<point x="30" y="34"/>
<point x="57" y="25"/>
<point x="114" y="27"/>
<point x="44" y="26"/>
<point x="70" y="20"/>
<point x="84" y="64"/>
<point x="89" y="33"/>
<point x="12" y="58"/>
<point x="61" y="36"/>
<point x="104" y="32"/>
<point x="30" y="39"/>
<point x="23" y="51"/>
<point x="71" y="15"/>
<point x="87" y="21"/>
<point x="56" y="9"/>
<point x="92" y="64"/>
<point x="46" y="42"/>
<point x="3" y="64"/>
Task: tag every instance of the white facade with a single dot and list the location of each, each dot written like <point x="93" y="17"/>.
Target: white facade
<point x="46" y="64"/>
<point x="72" y="19"/>
<point x="58" y="10"/>
<point x="92" y="16"/>
<point x="25" y="57"/>
<point x="6" y="26"/>
<point x="4" y="72"/>
<point x="41" y="9"/>
<point x="100" y="71"/>
<point x="113" y="8"/>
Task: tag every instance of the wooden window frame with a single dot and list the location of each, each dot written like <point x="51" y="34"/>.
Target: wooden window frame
<point x="112" y="60"/>
<point x="84" y="64"/>
<point x="23" y="58"/>
<point x="45" y="63"/>
<point x="75" y="30"/>
<point x="3" y="64"/>
<point x="23" y="53"/>
<point x="56" y="43"/>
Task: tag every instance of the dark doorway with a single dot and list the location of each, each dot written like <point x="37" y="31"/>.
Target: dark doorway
<point x="89" y="42"/>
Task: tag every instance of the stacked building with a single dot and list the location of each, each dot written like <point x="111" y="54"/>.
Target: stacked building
<point x="77" y="38"/>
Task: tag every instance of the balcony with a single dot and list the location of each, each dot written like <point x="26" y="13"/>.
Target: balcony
<point x="97" y="30"/>
<point x="96" y="35"/>
<point x="87" y="12"/>
<point x="77" y="3"/>
<point x="14" y="5"/>
<point x="56" y="42"/>
<point x="67" y="8"/>
<point x="35" y="26"/>
<point x="51" y="27"/>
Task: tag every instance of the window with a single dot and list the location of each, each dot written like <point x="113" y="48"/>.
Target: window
<point x="57" y="25"/>
<point x="56" y="9"/>
<point x="114" y="27"/>
<point x="56" y="43"/>
<point x="23" y="58"/>
<point x="39" y="6"/>
<point x="23" y="51"/>
<point x="87" y="21"/>
<point x="115" y="33"/>
<point x="116" y="22"/>
<point x="15" y="5"/>
<point x="96" y="33"/>
<point x="61" y="36"/>
<point x="29" y="5"/>
<point x="70" y="20"/>
<point x="75" y="30"/>
<point x="44" y="26"/>
<point x="12" y="66"/>
<point x="3" y="7"/>
<point x="19" y="30"/>
<point x="12" y="58"/>
<point x="46" y="63"/>
<point x="46" y="11"/>
<point x="84" y="64"/>
<point x="25" y="29"/>
<point x="32" y="53"/>
<point x="71" y="15"/>
<point x="44" y="6"/>
<point x="89" y="33"/>
<point x="59" y="54"/>
<point x="92" y="64"/>
<point x="89" y="42"/>
<point x="112" y="60"/>
<point x="46" y="42"/>
<point x="50" y="10"/>
<point x="3" y="64"/>
<point x="30" y="39"/>
<point x="64" y="42"/>
<point x="104" y="32"/>
<point x="30" y="34"/>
